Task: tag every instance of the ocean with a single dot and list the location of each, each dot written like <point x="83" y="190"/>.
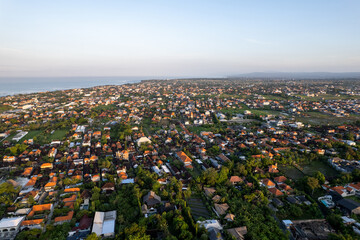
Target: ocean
<point x="11" y="86"/>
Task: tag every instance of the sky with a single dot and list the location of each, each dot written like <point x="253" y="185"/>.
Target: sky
<point x="177" y="38"/>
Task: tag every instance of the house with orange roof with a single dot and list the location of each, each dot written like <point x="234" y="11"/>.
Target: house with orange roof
<point x="235" y="180"/>
<point x="27" y="171"/>
<point x="273" y="168"/>
<point x="95" y="178"/>
<point x="184" y="158"/>
<point x="276" y="192"/>
<point x="342" y="191"/>
<point x="355" y="186"/>
<point x="40" y="208"/>
<point x="46" y="166"/>
<point x="267" y="183"/>
<point x="64" y="219"/>
<point x="32" y="224"/>
<point x="280" y="179"/>
<point x="50" y="186"/>
<point x="52" y="152"/>
<point x="285" y="187"/>
<point x="31" y="182"/>
<point x="72" y="190"/>
<point x="9" y="159"/>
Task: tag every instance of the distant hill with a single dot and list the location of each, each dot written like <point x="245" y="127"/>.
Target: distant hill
<point x="298" y="75"/>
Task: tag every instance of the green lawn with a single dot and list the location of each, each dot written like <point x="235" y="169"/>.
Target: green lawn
<point x="9" y="138"/>
<point x="265" y="112"/>
<point x="275" y="97"/>
<point x="31" y="135"/>
<point x="318" y="118"/>
<point x="291" y="172"/>
<point x="323" y="97"/>
<point x="58" y="134"/>
<point x="308" y="169"/>
<point x="5" y="108"/>
<point x="323" y="167"/>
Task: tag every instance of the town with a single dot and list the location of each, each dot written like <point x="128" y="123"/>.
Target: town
<point x="183" y="159"/>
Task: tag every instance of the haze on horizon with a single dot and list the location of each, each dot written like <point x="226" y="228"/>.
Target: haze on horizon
<point x="177" y="38"/>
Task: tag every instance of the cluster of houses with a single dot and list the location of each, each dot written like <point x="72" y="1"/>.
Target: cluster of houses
<point x="182" y="143"/>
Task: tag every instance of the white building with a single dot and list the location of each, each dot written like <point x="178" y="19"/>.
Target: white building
<point x="207" y="224"/>
<point x="104" y="224"/>
<point x="143" y="140"/>
<point x="9" y="227"/>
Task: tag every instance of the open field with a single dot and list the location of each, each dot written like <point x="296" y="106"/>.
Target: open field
<point x="323" y="167"/>
<point x="318" y="118"/>
<point x="31" y="135"/>
<point x="324" y="97"/>
<point x="309" y="170"/>
<point x="58" y="134"/>
<point x="265" y="112"/>
<point x="291" y="172"/>
<point x="5" y="108"/>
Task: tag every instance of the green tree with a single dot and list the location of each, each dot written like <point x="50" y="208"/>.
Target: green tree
<point x="223" y="175"/>
<point x="92" y="236"/>
<point x="210" y="176"/>
<point x="320" y="177"/>
<point x="312" y="183"/>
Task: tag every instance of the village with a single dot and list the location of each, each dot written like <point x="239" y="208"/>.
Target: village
<point x="183" y="159"/>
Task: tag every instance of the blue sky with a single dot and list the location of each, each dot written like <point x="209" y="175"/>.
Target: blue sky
<point x="177" y="38"/>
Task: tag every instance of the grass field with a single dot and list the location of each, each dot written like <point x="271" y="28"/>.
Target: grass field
<point x="309" y="170"/>
<point x="318" y="118"/>
<point x="324" y="97"/>
<point x="5" y="108"/>
<point x="265" y="112"/>
<point x="31" y="135"/>
<point x="291" y="172"/>
<point x="58" y="134"/>
<point x="9" y="138"/>
<point x="323" y="167"/>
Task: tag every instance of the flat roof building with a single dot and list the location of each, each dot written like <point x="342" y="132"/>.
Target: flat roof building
<point x="104" y="224"/>
<point x="9" y="227"/>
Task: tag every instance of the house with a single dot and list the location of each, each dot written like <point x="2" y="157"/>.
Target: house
<point x="216" y="198"/>
<point x="143" y="140"/>
<point x="108" y="187"/>
<point x="280" y="179"/>
<point x="238" y="233"/>
<point x="184" y="158"/>
<point x="276" y="192"/>
<point x="267" y="183"/>
<point x="46" y="166"/>
<point x="309" y="228"/>
<point x="209" y="191"/>
<point x="9" y="227"/>
<point x="104" y="224"/>
<point x="32" y="224"/>
<point x="207" y="224"/>
<point x="64" y="219"/>
<point x="342" y="191"/>
<point x="273" y="169"/>
<point x="9" y="159"/>
<point x="349" y="206"/>
<point x="221" y="208"/>
<point x="151" y="199"/>
<point x="229" y="217"/>
<point x="235" y="180"/>
<point x="50" y="186"/>
<point x="84" y="224"/>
